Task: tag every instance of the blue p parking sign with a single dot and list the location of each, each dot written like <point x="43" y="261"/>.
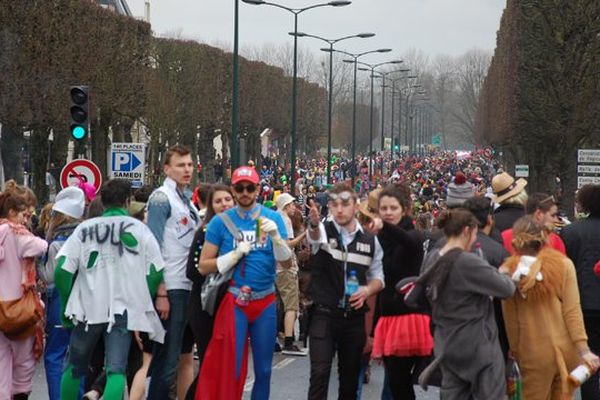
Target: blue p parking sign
<point x="128" y="162"/>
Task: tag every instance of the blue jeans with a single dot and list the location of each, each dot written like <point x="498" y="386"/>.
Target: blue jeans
<point x="116" y="346"/>
<point x="165" y="357"/>
<point x="57" y="343"/>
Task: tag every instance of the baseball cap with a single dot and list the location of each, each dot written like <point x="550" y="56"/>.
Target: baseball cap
<point x="244" y="174"/>
<point x="70" y="201"/>
<point x="283" y="200"/>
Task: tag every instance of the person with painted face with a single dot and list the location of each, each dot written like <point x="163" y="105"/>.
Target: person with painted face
<point x="107" y="272"/>
<point x="251" y="240"/>
<point x="346" y="269"/>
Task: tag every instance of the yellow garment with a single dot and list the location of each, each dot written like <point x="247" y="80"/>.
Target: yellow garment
<point x="545" y="326"/>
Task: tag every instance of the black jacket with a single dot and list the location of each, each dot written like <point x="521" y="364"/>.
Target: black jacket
<point x="582" y="240"/>
<point x="402" y="257"/>
<point x="506" y="215"/>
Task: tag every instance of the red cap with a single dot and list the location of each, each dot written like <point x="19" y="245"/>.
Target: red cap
<point x="245" y="174"/>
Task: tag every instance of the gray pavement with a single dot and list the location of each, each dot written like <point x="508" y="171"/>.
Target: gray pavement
<point x="289" y="381"/>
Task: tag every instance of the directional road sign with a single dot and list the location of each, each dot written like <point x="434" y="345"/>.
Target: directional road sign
<point x="127" y="161"/>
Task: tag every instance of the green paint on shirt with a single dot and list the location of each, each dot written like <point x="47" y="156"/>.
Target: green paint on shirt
<point x="92" y="260"/>
<point x="128" y="239"/>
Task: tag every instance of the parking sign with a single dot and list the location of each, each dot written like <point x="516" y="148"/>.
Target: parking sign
<point x="128" y="161"/>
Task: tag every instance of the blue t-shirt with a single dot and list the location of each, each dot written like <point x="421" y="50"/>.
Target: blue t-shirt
<point x="257" y="268"/>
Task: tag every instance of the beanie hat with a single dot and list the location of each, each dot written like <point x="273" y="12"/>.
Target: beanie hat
<point x="459" y="191"/>
<point x="71" y="202"/>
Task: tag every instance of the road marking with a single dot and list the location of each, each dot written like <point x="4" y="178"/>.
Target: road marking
<point x="281" y="364"/>
<point x="284" y="363"/>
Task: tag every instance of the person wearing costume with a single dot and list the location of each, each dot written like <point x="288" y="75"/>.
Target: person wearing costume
<point x="67" y="211"/>
<point x="248" y="308"/>
<point x="18" y="247"/>
<point x="119" y="266"/>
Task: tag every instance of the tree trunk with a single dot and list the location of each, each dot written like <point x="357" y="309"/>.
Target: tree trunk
<point x="38" y="144"/>
<point x="99" y="141"/>
<point x="11" y="147"/>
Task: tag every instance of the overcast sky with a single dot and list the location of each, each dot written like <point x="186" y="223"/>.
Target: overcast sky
<point x="433" y="26"/>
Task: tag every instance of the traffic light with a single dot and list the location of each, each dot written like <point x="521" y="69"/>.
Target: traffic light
<point x="396" y="144"/>
<point x="80" y="112"/>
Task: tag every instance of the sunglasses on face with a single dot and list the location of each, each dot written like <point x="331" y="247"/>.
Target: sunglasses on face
<point x="248" y="188"/>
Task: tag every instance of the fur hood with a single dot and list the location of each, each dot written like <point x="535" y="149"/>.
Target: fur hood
<point x="545" y="276"/>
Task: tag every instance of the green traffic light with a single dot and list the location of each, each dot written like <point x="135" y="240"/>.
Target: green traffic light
<point x="78" y="132"/>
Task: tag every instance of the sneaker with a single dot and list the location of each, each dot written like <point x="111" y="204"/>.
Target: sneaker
<point x="91" y="395"/>
<point x="293" y="350"/>
<point x="277" y="348"/>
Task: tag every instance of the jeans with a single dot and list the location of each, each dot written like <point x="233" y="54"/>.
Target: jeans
<point x="165" y="357"/>
<point x="116" y="343"/>
<point x="57" y="343"/>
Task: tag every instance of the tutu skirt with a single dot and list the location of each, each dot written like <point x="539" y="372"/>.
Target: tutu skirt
<point x="403" y="336"/>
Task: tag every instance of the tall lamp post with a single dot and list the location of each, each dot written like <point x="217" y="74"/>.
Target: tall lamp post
<point x="233" y="147"/>
<point x="372" y="68"/>
<point x="355" y="61"/>
<point x="331" y="43"/>
<point x="394" y="81"/>
<point x="296" y="12"/>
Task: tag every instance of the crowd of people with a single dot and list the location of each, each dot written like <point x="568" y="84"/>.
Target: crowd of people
<point x="442" y="267"/>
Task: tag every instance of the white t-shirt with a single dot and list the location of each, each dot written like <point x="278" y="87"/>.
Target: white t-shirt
<point x="113" y="255"/>
<point x="289" y="227"/>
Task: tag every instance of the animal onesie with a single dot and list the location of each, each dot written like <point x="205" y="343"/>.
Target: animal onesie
<point x="544" y="324"/>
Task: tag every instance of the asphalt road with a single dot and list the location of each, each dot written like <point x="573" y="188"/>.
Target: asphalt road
<point x="289" y="382"/>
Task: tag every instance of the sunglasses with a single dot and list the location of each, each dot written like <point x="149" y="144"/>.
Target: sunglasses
<point x="241" y="188"/>
<point x="344" y="196"/>
<point x="549" y="199"/>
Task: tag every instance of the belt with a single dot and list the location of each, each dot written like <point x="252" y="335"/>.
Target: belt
<point x="339" y="312"/>
<point x="234" y="290"/>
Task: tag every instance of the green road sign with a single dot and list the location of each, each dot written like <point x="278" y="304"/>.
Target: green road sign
<point x="436" y="140"/>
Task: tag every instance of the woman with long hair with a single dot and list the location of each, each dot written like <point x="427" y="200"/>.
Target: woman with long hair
<point x="18" y="248"/>
<point x="66" y="214"/>
<point x="543" y="319"/>
<point x="402" y="335"/>
<point x="460" y="286"/>
<point x="219" y="199"/>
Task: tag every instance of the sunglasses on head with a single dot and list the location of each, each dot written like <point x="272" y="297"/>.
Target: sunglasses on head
<point x="239" y="188"/>
<point x="549" y="199"/>
<point x="344" y="196"/>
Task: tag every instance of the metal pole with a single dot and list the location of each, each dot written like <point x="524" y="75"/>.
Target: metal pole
<point x="294" y="93"/>
<point x="400" y="119"/>
<point x="235" y="157"/>
<point x="354" y="169"/>
<point x="382" y="115"/>
<point x="329" y="121"/>
<point x="392" y="123"/>
<point x="371" y="126"/>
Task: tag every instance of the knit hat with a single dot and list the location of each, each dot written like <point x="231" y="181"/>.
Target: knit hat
<point x="459" y="191"/>
<point x="71" y="202"/>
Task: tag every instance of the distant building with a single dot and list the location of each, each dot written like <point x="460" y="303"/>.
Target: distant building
<point x="118" y="6"/>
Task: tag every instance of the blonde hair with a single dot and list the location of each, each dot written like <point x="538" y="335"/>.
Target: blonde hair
<point x="519" y="198"/>
<point x="529" y="236"/>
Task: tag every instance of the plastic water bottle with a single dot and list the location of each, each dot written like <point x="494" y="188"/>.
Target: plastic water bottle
<point x="514" y="380"/>
<point x="351" y="284"/>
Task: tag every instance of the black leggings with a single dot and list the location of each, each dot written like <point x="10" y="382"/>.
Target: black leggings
<point x="400" y="372"/>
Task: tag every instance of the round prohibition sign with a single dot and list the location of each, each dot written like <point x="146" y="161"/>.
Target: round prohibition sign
<point x="84" y="170"/>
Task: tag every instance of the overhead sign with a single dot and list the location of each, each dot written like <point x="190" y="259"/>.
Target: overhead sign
<point x="522" y="171"/>
<point x="588" y="168"/>
<point x="81" y="170"/>
<point x="127" y="161"/>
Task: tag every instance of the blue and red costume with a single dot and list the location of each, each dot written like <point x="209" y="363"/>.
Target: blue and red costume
<point x="225" y="366"/>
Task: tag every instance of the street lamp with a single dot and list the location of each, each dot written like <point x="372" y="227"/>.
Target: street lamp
<point x="296" y="12"/>
<point x="394" y="81"/>
<point x="331" y="43"/>
<point x="409" y="135"/>
<point x="372" y="68"/>
<point x="355" y="61"/>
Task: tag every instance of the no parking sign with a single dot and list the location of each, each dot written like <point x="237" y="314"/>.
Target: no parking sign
<point x="78" y="170"/>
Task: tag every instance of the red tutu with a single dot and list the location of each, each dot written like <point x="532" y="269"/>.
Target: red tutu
<point x="403" y="336"/>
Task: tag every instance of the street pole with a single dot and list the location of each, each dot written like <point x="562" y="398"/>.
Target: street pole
<point x="382" y="116"/>
<point x="330" y="114"/>
<point x="353" y="163"/>
<point x="400" y="119"/>
<point x="371" y="128"/>
<point x="392" y="118"/>
<point x="294" y="102"/>
<point x="235" y="156"/>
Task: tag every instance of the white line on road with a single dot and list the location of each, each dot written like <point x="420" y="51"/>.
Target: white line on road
<point x="281" y="364"/>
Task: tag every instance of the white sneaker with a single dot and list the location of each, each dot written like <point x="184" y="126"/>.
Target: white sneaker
<point x="294" y="350"/>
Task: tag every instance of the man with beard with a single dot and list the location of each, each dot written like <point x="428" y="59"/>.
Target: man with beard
<point x="248" y="308"/>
